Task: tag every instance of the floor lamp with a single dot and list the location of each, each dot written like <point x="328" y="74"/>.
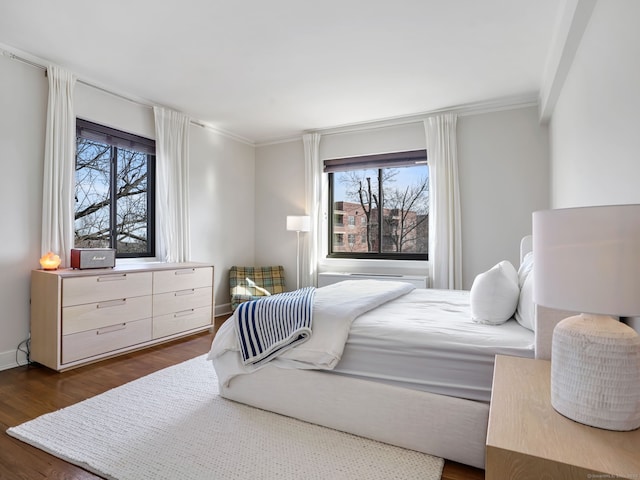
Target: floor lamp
<point x="298" y="223"/>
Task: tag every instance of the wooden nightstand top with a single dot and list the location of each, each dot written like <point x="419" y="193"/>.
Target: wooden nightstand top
<point x="527" y="438"/>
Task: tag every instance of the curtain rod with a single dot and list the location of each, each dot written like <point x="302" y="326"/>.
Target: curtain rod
<point x="13" y="56"/>
<point x="142" y="103"/>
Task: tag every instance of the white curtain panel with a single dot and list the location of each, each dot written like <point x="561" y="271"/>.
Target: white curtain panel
<point x="59" y="166"/>
<point x="445" y="244"/>
<point x="313" y="192"/>
<point x="172" y="185"/>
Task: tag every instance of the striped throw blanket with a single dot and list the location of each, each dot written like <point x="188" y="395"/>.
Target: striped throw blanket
<point x="271" y="325"/>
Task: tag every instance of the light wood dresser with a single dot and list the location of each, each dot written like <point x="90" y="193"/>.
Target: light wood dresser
<point x="80" y="316"/>
<point x="527" y="439"/>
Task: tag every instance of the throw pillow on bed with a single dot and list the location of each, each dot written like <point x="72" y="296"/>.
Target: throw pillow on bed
<point x="494" y="294"/>
<point x="525" y="313"/>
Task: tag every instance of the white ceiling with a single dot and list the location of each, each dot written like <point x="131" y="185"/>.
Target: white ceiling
<point x="266" y="70"/>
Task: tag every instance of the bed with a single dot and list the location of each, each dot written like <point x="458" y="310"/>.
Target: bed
<point x="414" y="371"/>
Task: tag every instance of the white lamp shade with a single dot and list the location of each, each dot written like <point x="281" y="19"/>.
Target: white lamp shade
<point x="298" y="223"/>
<point x="588" y="259"/>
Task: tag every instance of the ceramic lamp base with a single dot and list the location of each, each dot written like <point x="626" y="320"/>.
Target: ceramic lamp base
<point x="595" y="372"/>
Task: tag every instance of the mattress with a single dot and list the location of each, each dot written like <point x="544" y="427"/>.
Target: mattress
<point x="426" y="340"/>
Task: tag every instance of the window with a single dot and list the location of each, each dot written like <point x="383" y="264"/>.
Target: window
<point x="114" y="191"/>
<point x="390" y="194"/>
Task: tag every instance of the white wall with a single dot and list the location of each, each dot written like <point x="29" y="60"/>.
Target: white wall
<point x="504" y="177"/>
<point x="280" y="191"/>
<point x="595" y="140"/>
<point x="222" y="198"/>
<point x="504" y="167"/>
<point x="23" y="105"/>
<point x="113" y="111"/>
<point x="396" y="138"/>
<point x="222" y="179"/>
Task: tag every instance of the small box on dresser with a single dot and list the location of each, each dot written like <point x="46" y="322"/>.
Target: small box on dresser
<point x="80" y="316"/>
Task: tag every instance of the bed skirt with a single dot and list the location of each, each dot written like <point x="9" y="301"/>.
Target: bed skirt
<point x="446" y="427"/>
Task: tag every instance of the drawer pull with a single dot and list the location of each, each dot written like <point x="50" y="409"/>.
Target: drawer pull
<point x="112" y="303"/>
<point x="113" y="328"/>
<point x="183" y="293"/>
<point x="184" y="313"/>
<point x="112" y="278"/>
<point x="185" y="271"/>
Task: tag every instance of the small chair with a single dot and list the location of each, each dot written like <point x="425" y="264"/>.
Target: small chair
<point x="252" y="283"/>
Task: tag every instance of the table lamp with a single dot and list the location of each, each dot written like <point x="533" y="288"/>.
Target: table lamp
<point x="298" y="223"/>
<point x="50" y="261"/>
<point x="588" y="260"/>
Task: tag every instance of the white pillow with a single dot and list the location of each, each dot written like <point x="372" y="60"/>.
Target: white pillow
<point x="525" y="268"/>
<point x="525" y="313"/>
<point x="494" y="294"/>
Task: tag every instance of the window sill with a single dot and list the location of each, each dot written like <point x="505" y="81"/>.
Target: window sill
<point x="122" y="262"/>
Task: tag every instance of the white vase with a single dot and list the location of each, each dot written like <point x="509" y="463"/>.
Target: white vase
<point x="595" y="372"/>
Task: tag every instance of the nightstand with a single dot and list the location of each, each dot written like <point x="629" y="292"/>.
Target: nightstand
<point x="528" y="439"/>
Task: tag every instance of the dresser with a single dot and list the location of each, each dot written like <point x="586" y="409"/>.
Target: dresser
<point x="81" y="316"/>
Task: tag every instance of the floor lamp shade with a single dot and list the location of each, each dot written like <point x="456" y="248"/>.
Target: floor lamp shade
<point x="588" y="260"/>
<point x="298" y="223"/>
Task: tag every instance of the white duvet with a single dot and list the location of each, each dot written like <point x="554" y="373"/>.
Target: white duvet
<point x="335" y="308"/>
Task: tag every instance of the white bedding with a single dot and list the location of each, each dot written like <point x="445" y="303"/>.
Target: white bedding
<point x="335" y="308"/>
<point x="389" y="332"/>
<point x="425" y="340"/>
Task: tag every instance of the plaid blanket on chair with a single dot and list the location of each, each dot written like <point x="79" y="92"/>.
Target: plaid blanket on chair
<point x="274" y="324"/>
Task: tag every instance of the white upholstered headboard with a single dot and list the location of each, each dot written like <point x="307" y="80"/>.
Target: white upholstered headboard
<point x="526" y="245"/>
<point x="546" y="318"/>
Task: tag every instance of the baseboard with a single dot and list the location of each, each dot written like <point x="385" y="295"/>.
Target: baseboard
<point x="8" y="359"/>
<point x="224" y="309"/>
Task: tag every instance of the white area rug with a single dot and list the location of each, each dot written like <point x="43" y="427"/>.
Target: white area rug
<point x="172" y="424"/>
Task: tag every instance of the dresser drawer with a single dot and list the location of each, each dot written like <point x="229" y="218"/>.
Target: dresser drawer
<point x="110" y="286"/>
<point x="103" y="340"/>
<point x="89" y="316"/>
<point x="177" y="322"/>
<point x="182" y="279"/>
<point x="164" y="303"/>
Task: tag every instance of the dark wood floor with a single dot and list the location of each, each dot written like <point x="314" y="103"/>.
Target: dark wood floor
<point x="29" y="391"/>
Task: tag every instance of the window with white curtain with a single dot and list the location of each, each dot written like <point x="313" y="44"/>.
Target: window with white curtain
<point x="386" y="201"/>
<point x="114" y="190"/>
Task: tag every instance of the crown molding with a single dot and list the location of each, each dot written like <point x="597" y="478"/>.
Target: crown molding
<point x="476" y="108"/>
<point x="224" y="133"/>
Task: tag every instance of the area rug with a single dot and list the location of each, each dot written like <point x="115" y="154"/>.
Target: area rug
<point x="172" y="424"/>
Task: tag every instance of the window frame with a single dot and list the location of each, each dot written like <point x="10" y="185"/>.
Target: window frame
<point x="379" y="162"/>
<point x="118" y="139"/>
